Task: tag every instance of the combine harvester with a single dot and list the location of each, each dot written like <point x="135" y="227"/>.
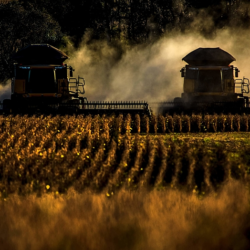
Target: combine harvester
<point x="43" y="83"/>
<point x="209" y="84"/>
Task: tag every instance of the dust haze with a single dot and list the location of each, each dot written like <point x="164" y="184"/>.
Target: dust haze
<point x="5" y="91"/>
<point x="151" y="72"/>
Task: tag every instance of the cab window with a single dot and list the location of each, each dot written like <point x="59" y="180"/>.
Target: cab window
<point x="41" y="81"/>
<point x="209" y="81"/>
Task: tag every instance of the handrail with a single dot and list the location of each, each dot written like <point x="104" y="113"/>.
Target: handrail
<point x="74" y="89"/>
<point x="243" y="86"/>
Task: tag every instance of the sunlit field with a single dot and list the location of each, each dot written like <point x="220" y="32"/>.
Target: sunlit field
<point x="82" y="182"/>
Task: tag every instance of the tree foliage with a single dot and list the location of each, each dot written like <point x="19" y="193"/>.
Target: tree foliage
<point x="130" y="21"/>
<point x="21" y="25"/>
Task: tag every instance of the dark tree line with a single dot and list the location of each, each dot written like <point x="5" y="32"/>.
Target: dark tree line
<point x="131" y="21"/>
<point x="20" y="26"/>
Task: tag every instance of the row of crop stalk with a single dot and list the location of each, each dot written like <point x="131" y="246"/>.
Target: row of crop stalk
<point x="194" y="123"/>
<point x="102" y="164"/>
<point x="100" y="153"/>
<point x="179" y="123"/>
<point x="124" y="124"/>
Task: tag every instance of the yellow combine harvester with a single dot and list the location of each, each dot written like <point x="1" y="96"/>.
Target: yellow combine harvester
<point x="209" y="80"/>
<point x="41" y="79"/>
<point x="43" y="82"/>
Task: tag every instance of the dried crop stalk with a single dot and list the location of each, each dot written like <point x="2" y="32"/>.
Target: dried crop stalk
<point x="178" y="122"/>
<point x="237" y="122"/>
<point x="144" y="180"/>
<point x="163" y="167"/>
<point x="154" y="123"/>
<point x="127" y="124"/>
<point x="162" y="123"/>
<point x="229" y="121"/>
<point x="187" y="123"/>
<point x="102" y="176"/>
<point x="244" y="120"/>
<point x="123" y="165"/>
<point x="169" y="123"/>
<point x="138" y="123"/>
<point x="146" y="123"/>
<point x="137" y="167"/>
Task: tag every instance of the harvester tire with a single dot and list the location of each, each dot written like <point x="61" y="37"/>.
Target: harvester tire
<point x="7" y="105"/>
<point x="178" y="102"/>
<point x="68" y="110"/>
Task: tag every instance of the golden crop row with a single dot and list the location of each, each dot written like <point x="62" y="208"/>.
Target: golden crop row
<point x="44" y="154"/>
<point x="136" y="124"/>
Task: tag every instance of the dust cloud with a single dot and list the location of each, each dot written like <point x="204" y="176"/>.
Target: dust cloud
<point x="151" y="72"/>
<point x="5" y="91"/>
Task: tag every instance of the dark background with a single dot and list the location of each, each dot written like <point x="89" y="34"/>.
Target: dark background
<point x="128" y="22"/>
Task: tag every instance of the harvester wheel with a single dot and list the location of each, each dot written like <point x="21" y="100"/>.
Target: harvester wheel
<point x="178" y="102"/>
<point x="7" y="105"/>
<point x="240" y="103"/>
<point x="68" y="110"/>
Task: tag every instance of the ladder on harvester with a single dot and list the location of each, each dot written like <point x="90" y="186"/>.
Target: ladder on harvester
<point x="76" y="86"/>
<point x="242" y="84"/>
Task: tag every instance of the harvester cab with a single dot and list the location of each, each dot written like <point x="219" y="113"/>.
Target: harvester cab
<point x="41" y="79"/>
<point x="209" y="79"/>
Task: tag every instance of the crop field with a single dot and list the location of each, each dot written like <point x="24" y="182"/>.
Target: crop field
<point x="82" y="182"/>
